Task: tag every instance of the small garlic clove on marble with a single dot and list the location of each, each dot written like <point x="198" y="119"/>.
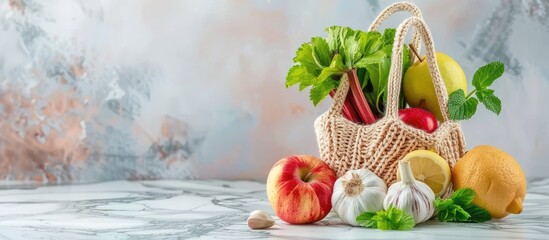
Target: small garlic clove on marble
<point x="259" y="220"/>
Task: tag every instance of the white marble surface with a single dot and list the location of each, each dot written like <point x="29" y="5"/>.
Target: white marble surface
<point x="213" y="210"/>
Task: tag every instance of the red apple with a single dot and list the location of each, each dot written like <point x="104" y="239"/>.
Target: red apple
<point x="300" y="189"/>
<point x="419" y="118"/>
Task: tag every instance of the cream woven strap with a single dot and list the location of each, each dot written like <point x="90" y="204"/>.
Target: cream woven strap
<point x="397" y="7"/>
<point x="395" y="75"/>
<point x="340" y="95"/>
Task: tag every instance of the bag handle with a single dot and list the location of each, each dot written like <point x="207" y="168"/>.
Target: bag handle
<point x="340" y="95"/>
<point x="395" y="74"/>
<point x="397" y="7"/>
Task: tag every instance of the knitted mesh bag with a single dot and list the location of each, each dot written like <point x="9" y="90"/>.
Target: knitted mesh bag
<point x="345" y="145"/>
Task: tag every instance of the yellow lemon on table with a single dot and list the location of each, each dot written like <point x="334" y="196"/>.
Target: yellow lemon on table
<point x="430" y="168"/>
<point x="418" y="87"/>
<point x="497" y="179"/>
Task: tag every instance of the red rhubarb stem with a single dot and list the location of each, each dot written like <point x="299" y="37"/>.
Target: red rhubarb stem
<point x="359" y="101"/>
<point x="348" y="110"/>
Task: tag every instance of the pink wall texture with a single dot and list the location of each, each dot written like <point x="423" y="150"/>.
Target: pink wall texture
<point x="142" y="89"/>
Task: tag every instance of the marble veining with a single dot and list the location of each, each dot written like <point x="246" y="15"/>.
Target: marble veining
<point x="213" y="209"/>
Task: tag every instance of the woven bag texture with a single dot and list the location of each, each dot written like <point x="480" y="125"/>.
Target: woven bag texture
<point x="345" y="145"/>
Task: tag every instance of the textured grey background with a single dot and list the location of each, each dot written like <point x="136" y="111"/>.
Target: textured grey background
<point x="98" y="90"/>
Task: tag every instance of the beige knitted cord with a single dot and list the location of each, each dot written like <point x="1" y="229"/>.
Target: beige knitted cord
<point x="397" y="7"/>
<point x="345" y="145"/>
<point x="395" y="75"/>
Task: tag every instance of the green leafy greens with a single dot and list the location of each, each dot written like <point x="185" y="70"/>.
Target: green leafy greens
<point x="458" y="208"/>
<point x="390" y="219"/>
<point x="463" y="107"/>
<point x="320" y="63"/>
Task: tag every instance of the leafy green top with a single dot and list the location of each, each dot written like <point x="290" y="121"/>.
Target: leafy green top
<point x="319" y="63"/>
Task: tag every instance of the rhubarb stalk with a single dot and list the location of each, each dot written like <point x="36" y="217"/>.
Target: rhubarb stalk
<point x="348" y="110"/>
<point x="358" y="100"/>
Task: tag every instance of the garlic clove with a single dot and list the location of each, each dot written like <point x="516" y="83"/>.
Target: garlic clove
<point x="260" y="219"/>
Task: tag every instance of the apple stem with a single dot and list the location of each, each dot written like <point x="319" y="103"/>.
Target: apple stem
<point x="415" y="52"/>
<point x="422" y="103"/>
<point x="306" y="178"/>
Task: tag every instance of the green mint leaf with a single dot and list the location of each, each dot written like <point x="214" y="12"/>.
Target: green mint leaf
<point x="477" y="213"/>
<point x="458" y="208"/>
<point x="485" y="75"/>
<point x="406" y="222"/>
<point x="460" y="214"/>
<point x="321" y="51"/>
<point x="489" y="100"/>
<point x="463" y="196"/>
<point x="365" y="220"/>
<point x="320" y="91"/>
<point x="299" y="74"/>
<point x="444" y="216"/>
<point x="375" y="58"/>
<point x="448" y="211"/>
<point x="381" y="221"/>
<point x="443" y="204"/>
<point x="335" y="68"/>
<point x="304" y="57"/>
<point x="390" y="219"/>
<point x="461" y="108"/>
<point x="399" y="219"/>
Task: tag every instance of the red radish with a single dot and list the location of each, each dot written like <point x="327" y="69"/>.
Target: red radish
<point x="419" y="118"/>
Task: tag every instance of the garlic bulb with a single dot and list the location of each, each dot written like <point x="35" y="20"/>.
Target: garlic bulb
<point x="260" y="219"/>
<point x="356" y="192"/>
<point x="411" y="195"/>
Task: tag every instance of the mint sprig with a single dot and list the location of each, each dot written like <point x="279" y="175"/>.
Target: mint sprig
<point x="463" y="107"/>
<point x="459" y="208"/>
<point x="389" y="219"/>
<point x="477" y="213"/>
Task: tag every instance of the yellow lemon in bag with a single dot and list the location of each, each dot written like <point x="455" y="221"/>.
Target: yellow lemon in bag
<point x="430" y="168"/>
